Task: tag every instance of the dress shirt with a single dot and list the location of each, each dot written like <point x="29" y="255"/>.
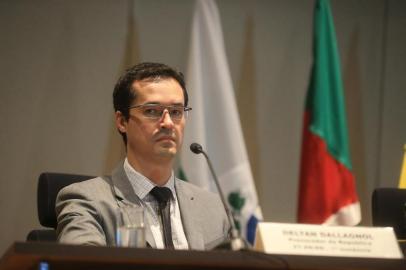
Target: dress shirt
<point x="142" y="186"/>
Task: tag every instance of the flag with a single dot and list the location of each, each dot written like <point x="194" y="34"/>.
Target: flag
<point x="327" y="193"/>
<point x="402" y="180"/>
<point x="214" y="122"/>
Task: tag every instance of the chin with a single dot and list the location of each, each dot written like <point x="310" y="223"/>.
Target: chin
<point x="167" y="152"/>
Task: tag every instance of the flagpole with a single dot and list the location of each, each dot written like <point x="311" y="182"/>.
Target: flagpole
<point x="402" y="179"/>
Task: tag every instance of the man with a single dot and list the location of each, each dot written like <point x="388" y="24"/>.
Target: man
<point x="150" y="102"/>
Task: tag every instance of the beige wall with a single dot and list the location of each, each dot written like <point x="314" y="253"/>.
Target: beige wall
<point x="59" y="61"/>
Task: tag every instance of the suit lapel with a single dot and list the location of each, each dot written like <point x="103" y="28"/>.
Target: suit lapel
<point x="125" y="194"/>
<point x="188" y="208"/>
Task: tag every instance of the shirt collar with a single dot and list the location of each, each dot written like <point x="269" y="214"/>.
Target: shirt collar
<point x="141" y="184"/>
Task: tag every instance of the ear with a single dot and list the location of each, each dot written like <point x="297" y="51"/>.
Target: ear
<point x="121" y="122"/>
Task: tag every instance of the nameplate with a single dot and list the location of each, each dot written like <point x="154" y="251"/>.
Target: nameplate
<point x="320" y="240"/>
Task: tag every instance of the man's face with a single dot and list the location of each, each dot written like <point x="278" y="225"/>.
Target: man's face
<point x="154" y="139"/>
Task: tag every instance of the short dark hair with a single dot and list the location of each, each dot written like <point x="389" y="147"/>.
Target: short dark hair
<point x="124" y="94"/>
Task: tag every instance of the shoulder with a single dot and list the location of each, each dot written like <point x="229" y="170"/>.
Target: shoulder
<point x="94" y="187"/>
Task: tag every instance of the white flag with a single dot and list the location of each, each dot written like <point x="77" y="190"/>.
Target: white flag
<point x="214" y="122"/>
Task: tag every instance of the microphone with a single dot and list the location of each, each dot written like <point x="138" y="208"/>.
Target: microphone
<point x="196" y="148"/>
<point x="236" y="242"/>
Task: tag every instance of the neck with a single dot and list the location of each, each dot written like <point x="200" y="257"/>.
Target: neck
<point x="158" y="171"/>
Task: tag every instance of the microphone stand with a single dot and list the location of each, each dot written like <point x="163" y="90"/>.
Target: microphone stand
<point x="236" y="242"/>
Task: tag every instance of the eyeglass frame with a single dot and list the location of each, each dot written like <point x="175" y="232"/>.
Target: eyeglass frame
<point x="185" y="109"/>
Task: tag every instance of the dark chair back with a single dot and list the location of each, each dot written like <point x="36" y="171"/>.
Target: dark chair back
<point x="389" y="209"/>
<point x="49" y="184"/>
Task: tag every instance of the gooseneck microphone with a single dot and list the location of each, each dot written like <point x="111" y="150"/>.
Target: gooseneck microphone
<point x="236" y="242"/>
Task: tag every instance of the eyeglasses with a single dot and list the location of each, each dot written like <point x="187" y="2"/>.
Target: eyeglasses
<point x="155" y="111"/>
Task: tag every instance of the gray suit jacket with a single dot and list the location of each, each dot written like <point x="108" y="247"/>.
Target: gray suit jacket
<point x="86" y="212"/>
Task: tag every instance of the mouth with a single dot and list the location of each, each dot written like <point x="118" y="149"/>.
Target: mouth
<point x="165" y="138"/>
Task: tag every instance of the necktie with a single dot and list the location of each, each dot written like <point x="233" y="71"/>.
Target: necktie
<point x="163" y="195"/>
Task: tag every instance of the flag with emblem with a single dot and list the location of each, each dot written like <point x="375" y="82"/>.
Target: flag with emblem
<point x="214" y="122"/>
<point x="327" y="193"/>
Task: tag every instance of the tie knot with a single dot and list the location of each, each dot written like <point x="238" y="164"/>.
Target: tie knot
<point x="161" y="194"/>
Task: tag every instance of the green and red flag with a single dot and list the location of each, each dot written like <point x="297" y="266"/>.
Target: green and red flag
<point x="327" y="193"/>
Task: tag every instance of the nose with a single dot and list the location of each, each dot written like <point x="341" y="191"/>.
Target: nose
<point x="166" y="120"/>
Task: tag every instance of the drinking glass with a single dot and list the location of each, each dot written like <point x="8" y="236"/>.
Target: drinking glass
<point x="130" y="230"/>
